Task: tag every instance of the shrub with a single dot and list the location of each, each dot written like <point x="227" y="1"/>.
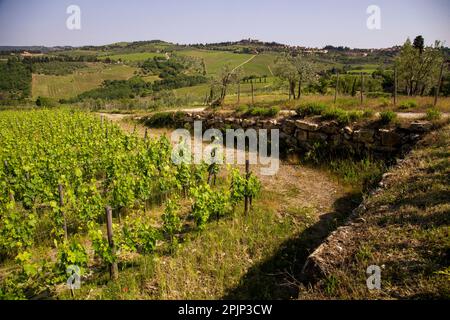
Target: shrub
<point x="364" y="173"/>
<point x="408" y="104"/>
<point x="387" y="116"/>
<point x="342" y="116"/>
<point x="311" y="109"/>
<point x="263" y="112"/>
<point x="164" y="119"/>
<point x="433" y="114"/>
<point x="368" y="114"/>
<point x="241" y="109"/>
<point x="355" y="115"/>
<point x="257" y="111"/>
<point x="46" y="102"/>
<point x="384" y="102"/>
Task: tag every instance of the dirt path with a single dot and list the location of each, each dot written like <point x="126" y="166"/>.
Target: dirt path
<point x="416" y="115"/>
<point x="295" y="185"/>
<point x="244" y="63"/>
<point x="310" y="198"/>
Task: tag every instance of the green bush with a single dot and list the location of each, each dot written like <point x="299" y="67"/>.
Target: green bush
<point x="408" y="104"/>
<point x="241" y="109"/>
<point x="263" y="112"/>
<point x="433" y="114"/>
<point x="364" y="173"/>
<point x="342" y="116"/>
<point x="384" y="102"/>
<point x="355" y="115"/>
<point x="164" y="119"/>
<point x="257" y="111"/>
<point x="311" y="109"/>
<point x="388" y="116"/>
<point x="46" y="102"/>
<point x="368" y="114"/>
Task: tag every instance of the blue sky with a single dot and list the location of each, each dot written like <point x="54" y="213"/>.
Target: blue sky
<point x="296" y="22"/>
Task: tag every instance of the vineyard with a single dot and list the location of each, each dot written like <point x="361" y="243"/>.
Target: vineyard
<point x="78" y="184"/>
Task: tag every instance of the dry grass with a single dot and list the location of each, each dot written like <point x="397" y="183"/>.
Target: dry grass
<point x="405" y="230"/>
<point x="344" y="102"/>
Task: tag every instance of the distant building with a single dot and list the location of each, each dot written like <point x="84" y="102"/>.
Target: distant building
<point x="28" y="54"/>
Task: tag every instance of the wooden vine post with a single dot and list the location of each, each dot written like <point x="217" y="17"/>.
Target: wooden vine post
<point x="247" y="197"/>
<point x="395" y="86"/>
<point x="362" y="88"/>
<point x="253" y="95"/>
<point x="337" y="85"/>
<point x="438" y="87"/>
<point x="61" y="205"/>
<point x="239" y="93"/>
<point x="11" y="194"/>
<point x="113" y="268"/>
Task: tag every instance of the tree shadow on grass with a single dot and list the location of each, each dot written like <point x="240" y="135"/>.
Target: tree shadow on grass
<point x="279" y="276"/>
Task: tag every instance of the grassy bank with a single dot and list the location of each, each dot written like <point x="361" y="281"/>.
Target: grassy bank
<point x="404" y="231"/>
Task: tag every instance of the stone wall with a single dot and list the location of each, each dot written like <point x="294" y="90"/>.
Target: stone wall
<point x="302" y="135"/>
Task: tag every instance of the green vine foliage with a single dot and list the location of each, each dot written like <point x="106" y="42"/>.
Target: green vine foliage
<point x="200" y="210"/>
<point x="137" y="235"/>
<point x="208" y="204"/>
<point x="171" y="220"/>
<point x="71" y="253"/>
<point x="97" y="165"/>
<point x="100" y="245"/>
<point x="30" y="279"/>
<point x="242" y="187"/>
<point x="16" y="230"/>
<point x="238" y="187"/>
<point x="184" y="177"/>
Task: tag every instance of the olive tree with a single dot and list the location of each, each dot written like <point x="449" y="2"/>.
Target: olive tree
<point x="306" y="72"/>
<point x="285" y="70"/>
<point x="418" y="66"/>
<point x="221" y="83"/>
<point x="297" y="71"/>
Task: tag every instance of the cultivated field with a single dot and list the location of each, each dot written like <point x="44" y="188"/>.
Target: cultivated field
<point x="216" y="60"/>
<point x="132" y="57"/>
<point x="80" y="81"/>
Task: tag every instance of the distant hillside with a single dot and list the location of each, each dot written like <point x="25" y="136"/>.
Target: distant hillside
<point x="33" y="49"/>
